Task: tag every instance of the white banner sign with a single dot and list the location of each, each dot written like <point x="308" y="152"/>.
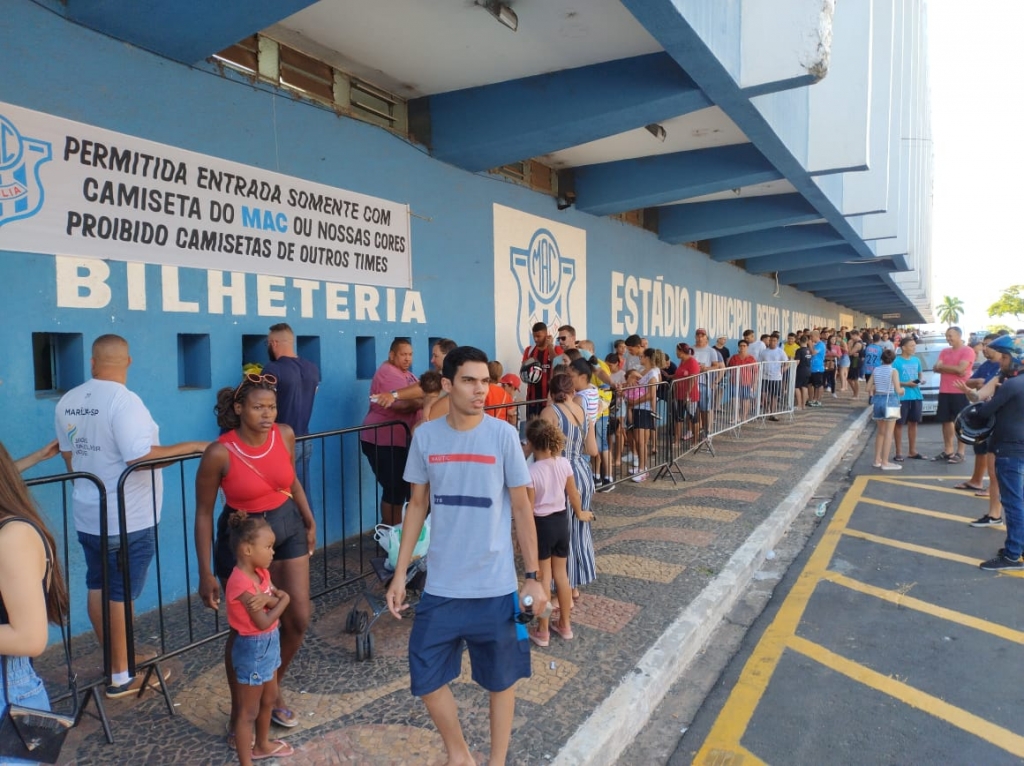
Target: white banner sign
<point x="70" y="188"/>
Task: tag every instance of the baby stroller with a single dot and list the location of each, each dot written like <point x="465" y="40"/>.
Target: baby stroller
<point x="361" y="622"/>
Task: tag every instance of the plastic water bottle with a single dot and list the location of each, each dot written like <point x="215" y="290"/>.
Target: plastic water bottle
<point x="822" y="507"/>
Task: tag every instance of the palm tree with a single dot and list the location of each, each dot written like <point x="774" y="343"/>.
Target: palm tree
<point x="950" y="309"/>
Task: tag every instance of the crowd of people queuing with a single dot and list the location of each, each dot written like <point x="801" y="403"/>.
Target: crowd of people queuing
<point x="462" y="455"/>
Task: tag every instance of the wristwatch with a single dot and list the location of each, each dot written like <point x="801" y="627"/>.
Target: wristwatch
<point x="394" y="395"/>
<point x="530" y="576"/>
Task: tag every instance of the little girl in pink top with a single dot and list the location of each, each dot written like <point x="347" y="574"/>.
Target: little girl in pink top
<point x="552" y="483"/>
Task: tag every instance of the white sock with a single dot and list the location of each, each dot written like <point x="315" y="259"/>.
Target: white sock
<point x="120" y="679"/>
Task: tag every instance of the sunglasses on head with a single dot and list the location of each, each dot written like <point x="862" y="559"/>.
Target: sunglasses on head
<point x="256" y="379"/>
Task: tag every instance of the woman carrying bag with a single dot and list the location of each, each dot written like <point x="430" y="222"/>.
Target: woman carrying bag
<point x="32" y="594"/>
<point x="884" y="390"/>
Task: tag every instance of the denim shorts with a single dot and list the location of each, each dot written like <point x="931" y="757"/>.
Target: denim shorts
<point x="601" y="432"/>
<point x="26" y="689"/>
<point x="256" y="658"/>
<point x="879" y="402"/>
<point x="141" y="546"/>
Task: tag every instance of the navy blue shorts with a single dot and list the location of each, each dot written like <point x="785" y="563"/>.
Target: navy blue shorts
<point x="910" y="411"/>
<point x="499" y="647"/>
<point x="141" y="547"/>
<point x="256" y="658"/>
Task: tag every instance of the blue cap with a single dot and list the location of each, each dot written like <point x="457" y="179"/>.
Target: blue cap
<point x="1013" y="347"/>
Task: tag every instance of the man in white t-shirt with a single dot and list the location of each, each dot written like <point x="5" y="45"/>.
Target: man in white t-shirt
<point x="470" y="472"/>
<point x="754" y="346"/>
<point x="773" y="358"/>
<point x="102" y="428"/>
<point x="708" y="359"/>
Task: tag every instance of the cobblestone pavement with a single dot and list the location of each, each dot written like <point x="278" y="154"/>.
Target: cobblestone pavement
<point x="658" y="544"/>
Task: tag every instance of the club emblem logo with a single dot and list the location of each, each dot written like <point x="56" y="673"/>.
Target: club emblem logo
<point x="21" y="191"/>
<point x="544" y="278"/>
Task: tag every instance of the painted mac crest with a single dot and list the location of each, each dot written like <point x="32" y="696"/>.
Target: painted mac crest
<point x="539" y="276"/>
<point x="544" y="278"/>
<point x="21" y="191"/>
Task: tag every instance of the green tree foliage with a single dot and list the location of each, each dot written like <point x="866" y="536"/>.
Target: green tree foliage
<point x="1010" y="302"/>
<point x="949" y="310"/>
<point x="998" y="327"/>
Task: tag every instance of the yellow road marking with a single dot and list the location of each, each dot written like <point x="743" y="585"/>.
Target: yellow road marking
<point x="723" y="746"/>
<point x="903" y="600"/>
<point x="918" y="511"/>
<point x="931" y="488"/>
<point x="913" y="548"/>
<point x="934" y="706"/>
<point x="738" y="756"/>
<point x="732" y="721"/>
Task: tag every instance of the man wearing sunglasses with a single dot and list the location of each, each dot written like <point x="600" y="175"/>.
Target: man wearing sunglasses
<point x="297" y="382"/>
<point x="102" y="428"/>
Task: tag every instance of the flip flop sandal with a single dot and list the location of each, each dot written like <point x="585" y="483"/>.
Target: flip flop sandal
<point x="942" y="456"/>
<point x="917" y="456"/>
<point x="282" y="716"/>
<point x="981" y="494"/>
<point x="281" y="750"/>
<point x="964" y="485"/>
<point x="955" y="459"/>
<point x="898" y="458"/>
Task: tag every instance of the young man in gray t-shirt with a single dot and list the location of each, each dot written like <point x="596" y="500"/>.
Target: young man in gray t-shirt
<point x="470" y="471"/>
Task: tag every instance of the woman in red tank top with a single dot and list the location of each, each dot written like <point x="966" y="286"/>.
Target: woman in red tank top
<point x="253" y="462"/>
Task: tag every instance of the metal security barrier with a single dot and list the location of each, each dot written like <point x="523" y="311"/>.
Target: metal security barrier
<point x="48" y="491"/>
<point x="342" y="495"/>
<point x="685" y="416"/>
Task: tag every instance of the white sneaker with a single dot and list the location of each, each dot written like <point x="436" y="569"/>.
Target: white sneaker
<point x="640" y="477"/>
<point x="891" y="467"/>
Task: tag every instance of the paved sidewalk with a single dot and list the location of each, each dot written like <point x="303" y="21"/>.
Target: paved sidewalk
<point x="663" y="550"/>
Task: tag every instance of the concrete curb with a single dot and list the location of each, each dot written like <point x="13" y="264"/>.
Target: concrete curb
<point x="602" y="738"/>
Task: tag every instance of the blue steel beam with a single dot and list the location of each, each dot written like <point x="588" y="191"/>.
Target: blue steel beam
<point x="838" y="271"/>
<point x="492" y="125"/>
<point x="826" y="258"/>
<point x="882" y="303"/>
<point x="781" y="240"/>
<point x="664" y="20"/>
<point x="857" y="286"/>
<point x="705" y="220"/>
<point x="614" y="187"/>
<point x="186" y="30"/>
<point x="881" y="293"/>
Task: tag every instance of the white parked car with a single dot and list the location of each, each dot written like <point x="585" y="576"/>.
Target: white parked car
<point x="928" y="349"/>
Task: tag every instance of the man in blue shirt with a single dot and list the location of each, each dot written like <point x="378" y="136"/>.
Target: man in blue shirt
<point x="297" y="382"/>
<point x="909" y="368"/>
<point x="817" y="348"/>
<point x="872" y="353"/>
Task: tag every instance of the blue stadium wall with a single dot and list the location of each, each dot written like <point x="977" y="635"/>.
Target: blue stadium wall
<point x="621" y="274"/>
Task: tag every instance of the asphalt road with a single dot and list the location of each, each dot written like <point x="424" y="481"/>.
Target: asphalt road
<point x="883" y="643"/>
